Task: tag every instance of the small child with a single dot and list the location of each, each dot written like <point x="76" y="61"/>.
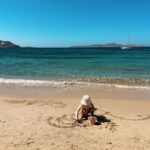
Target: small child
<point x="85" y="108"/>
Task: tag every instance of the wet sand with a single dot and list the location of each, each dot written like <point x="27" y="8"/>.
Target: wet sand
<point x="42" y="119"/>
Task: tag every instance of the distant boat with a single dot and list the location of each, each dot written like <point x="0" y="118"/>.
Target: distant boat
<point x="125" y="47"/>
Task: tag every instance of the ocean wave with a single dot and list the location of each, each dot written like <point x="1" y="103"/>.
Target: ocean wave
<point x="73" y="82"/>
<point x="29" y="82"/>
<point x="128" y="86"/>
<point x="110" y="80"/>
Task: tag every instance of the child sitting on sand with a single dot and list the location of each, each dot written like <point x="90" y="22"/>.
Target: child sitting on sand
<point x="85" y="108"/>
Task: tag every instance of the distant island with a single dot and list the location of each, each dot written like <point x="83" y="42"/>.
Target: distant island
<point x="108" y="45"/>
<point x="8" y="44"/>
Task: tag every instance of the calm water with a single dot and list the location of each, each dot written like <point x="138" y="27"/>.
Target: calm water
<point x="88" y="65"/>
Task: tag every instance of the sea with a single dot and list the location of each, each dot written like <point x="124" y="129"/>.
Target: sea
<point x="76" y="66"/>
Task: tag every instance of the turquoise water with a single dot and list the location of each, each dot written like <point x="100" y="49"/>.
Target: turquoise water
<point x="86" y="65"/>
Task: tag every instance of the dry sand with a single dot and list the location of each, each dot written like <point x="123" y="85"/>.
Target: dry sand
<point x="47" y="123"/>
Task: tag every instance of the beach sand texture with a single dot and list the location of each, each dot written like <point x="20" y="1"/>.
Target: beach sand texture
<point x="47" y="124"/>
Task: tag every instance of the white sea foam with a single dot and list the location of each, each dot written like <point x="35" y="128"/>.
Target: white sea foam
<point x="37" y="82"/>
<point x="26" y="82"/>
<point x="131" y="86"/>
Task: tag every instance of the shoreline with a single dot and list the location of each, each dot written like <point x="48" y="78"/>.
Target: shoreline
<point x="106" y="82"/>
<point x="76" y="91"/>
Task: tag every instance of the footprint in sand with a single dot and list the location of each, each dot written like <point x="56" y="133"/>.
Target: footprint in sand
<point x="58" y="104"/>
<point x="26" y="102"/>
<point x="111" y="126"/>
<point x="53" y="103"/>
<point x="2" y="121"/>
<point x="29" y="141"/>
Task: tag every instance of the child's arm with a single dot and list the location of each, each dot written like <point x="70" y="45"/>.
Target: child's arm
<point x="77" y="111"/>
<point x="92" y="105"/>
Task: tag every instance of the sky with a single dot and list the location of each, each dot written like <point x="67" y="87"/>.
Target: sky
<point x="61" y="23"/>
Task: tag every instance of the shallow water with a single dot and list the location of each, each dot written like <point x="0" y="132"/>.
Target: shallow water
<point x="45" y="66"/>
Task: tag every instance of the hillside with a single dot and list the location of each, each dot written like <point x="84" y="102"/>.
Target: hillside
<point x="8" y="44"/>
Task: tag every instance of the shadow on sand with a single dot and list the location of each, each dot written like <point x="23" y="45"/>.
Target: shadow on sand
<point x="101" y="119"/>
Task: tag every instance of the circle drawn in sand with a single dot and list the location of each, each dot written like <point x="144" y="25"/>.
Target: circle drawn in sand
<point x="65" y="121"/>
<point x="142" y="117"/>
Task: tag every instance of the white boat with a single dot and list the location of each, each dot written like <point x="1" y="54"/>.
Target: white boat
<point x="125" y="47"/>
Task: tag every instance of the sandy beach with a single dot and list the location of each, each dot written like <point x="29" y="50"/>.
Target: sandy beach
<point x="74" y="75"/>
<point x="45" y="123"/>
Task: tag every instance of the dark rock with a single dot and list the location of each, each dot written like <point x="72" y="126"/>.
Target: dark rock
<point x="8" y="44"/>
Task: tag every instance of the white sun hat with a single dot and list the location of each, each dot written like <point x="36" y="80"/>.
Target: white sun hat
<point x="86" y="100"/>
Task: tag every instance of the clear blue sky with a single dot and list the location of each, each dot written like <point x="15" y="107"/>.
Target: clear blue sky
<point x="46" y="23"/>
